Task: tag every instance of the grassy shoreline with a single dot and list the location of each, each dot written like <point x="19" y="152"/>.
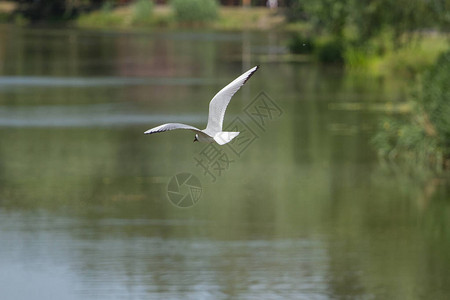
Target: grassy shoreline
<point x="379" y="58"/>
<point x="406" y="61"/>
<point x="229" y="19"/>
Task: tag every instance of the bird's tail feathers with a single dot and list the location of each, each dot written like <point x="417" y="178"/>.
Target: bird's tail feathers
<point x="224" y="137"/>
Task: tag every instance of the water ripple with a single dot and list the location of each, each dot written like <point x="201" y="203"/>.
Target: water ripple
<point x="86" y="116"/>
<point x="46" y="81"/>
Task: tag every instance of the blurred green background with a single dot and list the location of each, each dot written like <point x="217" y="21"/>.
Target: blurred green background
<point x="344" y="194"/>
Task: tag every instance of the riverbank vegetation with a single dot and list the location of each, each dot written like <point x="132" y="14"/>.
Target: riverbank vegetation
<point x="204" y="14"/>
<point x="384" y="38"/>
<point x="421" y="138"/>
<point x="379" y="36"/>
<point x="387" y="38"/>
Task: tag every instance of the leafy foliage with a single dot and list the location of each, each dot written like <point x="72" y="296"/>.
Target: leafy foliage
<point x="300" y="44"/>
<point x="329" y="15"/>
<point x="424" y="136"/>
<point x="101" y="18"/>
<point x="358" y="32"/>
<point x="368" y="18"/>
<point x="435" y="99"/>
<point x="53" y="10"/>
<point x="142" y="12"/>
<point x="331" y="51"/>
<point x="194" y="11"/>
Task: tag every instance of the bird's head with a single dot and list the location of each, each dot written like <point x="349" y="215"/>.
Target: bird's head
<point x="196" y="138"/>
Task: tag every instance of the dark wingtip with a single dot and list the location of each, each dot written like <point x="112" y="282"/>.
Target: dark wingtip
<point x="250" y="75"/>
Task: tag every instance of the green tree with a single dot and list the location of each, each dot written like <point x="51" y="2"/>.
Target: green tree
<point x="401" y="16"/>
<point x="329" y="15"/>
<point x="48" y="10"/>
<point x="369" y="17"/>
<point x="195" y="10"/>
<point x="423" y="136"/>
<point x="435" y="100"/>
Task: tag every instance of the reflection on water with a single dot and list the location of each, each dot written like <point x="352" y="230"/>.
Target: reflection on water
<point x="100" y="264"/>
<point x="24" y="81"/>
<point x="85" y="116"/>
<point x="305" y="213"/>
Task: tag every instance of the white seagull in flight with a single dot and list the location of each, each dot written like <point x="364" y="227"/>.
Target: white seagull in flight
<point x="213" y="131"/>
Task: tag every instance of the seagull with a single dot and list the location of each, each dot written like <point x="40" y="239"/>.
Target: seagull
<point x="213" y="131"/>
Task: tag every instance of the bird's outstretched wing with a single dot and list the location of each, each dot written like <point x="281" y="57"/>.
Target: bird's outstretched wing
<point x="219" y="103"/>
<point x="171" y="126"/>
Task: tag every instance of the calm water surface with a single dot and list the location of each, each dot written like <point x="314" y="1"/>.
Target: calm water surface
<point x="304" y="212"/>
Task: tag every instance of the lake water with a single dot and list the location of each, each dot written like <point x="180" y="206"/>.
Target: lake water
<point x="298" y="208"/>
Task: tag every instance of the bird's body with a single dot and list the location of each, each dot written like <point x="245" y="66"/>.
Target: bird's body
<point x="217" y="107"/>
<point x="204" y="138"/>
